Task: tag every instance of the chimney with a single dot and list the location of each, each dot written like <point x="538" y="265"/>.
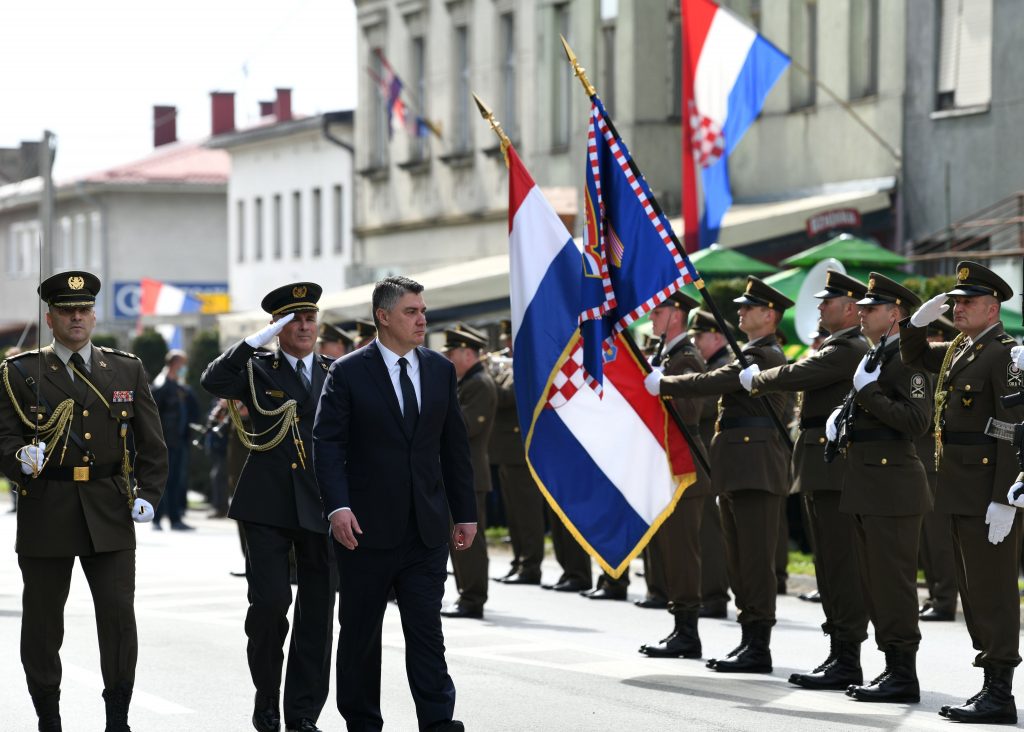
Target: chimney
<point x="283" y="105"/>
<point x="222" y="112"/>
<point x="266" y="109"/>
<point x="165" y="125"/>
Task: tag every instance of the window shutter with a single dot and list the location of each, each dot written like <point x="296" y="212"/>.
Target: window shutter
<point x="974" y="68"/>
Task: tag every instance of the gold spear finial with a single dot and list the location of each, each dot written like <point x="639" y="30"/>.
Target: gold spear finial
<point x="578" y="71"/>
<point x="488" y="115"/>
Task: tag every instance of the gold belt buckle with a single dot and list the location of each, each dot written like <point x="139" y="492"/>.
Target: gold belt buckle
<point x="81" y="473"/>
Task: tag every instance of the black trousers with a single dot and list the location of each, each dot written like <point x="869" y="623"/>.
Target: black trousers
<point x="418" y="574"/>
<point x="307" y="678"/>
<point x="111" y="577"/>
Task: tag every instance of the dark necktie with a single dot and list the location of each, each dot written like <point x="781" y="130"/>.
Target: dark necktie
<point x="79" y="365"/>
<point x="300" y="368"/>
<point x="410" y="410"/>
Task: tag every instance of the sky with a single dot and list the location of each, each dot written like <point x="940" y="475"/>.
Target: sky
<point x="91" y="72"/>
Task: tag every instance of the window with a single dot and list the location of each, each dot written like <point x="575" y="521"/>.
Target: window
<point x="607" y="89"/>
<point x="240" y="229"/>
<point x="23" y="249"/>
<point x="509" y="111"/>
<point x="460" y="84"/>
<point x="278" y="245"/>
<point x="803" y="40"/>
<point x="863" y="48"/>
<point x="562" y="77"/>
<point x="339" y="220"/>
<point x="96" y="243"/>
<point x="965" y="54"/>
<point x="379" y="132"/>
<point x="80" y="242"/>
<point x="257" y="228"/>
<point x="297" y="224"/>
<point x="318" y="224"/>
<point x="418" y="144"/>
<point x="62" y="246"/>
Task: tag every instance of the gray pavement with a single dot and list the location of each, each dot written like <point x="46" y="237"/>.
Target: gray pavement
<point x="539" y="660"/>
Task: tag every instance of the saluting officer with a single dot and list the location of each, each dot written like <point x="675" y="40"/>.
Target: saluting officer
<point x="278" y="502"/>
<point x="974" y="371"/>
<point x="78" y="493"/>
<point x="886" y="490"/>
<point x="749" y="472"/>
<point x="824" y="380"/>
<point x="478" y="400"/>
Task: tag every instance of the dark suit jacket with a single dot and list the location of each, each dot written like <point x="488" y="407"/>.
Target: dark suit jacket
<point x="364" y="460"/>
<point x="274" y="489"/>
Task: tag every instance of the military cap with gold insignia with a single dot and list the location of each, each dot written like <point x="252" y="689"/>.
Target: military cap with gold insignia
<point x="366" y="329"/>
<point x="461" y="335"/>
<point x="74" y="289"/>
<point x="701" y="321"/>
<point x="838" y="284"/>
<point x="884" y="291"/>
<point x="331" y="333"/>
<point x="681" y="300"/>
<point x="758" y="293"/>
<point x="972" y="280"/>
<point x="294" y="298"/>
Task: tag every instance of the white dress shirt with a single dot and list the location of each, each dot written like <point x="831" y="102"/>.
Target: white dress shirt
<point x="64" y="354"/>
<point x="394" y="371"/>
<point x="307" y="360"/>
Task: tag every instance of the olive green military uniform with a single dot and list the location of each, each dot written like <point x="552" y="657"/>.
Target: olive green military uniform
<point x="936" y="556"/>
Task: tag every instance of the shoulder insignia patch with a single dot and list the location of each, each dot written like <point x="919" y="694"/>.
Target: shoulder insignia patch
<point x="33" y="352"/>
<point x="917" y="385"/>
<point x="108" y="349"/>
<point x="1014" y="376"/>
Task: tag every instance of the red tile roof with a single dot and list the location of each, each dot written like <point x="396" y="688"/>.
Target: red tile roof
<point x="178" y="162"/>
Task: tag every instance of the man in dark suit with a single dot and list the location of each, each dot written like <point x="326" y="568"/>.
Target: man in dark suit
<point x="391" y="455"/>
<point x="278" y="503"/>
<point x="67" y="412"/>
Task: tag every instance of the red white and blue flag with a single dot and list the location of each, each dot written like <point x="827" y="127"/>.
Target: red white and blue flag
<point x="611" y="464"/>
<point x="728" y="70"/>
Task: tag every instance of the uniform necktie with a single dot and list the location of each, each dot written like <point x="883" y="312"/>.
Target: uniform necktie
<point x="300" y="367"/>
<point x="410" y="410"/>
<point x="78" y="363"/>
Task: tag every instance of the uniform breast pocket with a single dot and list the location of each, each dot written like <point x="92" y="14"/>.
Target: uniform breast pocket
<point x="885" y="454"/>
<point x="966" y="399"/>
<point x="122" y="410"/>
<point x="977" y="456"/>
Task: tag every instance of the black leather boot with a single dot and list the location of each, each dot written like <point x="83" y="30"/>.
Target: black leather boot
<point x="837" y="674"/>
<point x="117" y="701"/>
<point x="48" y="710"/>
<point x="994" y="704"/>
<point x="744" y="639"/>
<point x="944" y="709"/>
<point x="682" y="642"/>
<point x="897" y="684"/>
<point x="755" y="657"/>
<point x="266" y="712"/>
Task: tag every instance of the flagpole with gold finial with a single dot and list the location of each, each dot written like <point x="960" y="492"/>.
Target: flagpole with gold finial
<point x="488" y="115"/>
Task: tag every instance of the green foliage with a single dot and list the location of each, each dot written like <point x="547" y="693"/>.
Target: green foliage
<point x="724" y="292"/>
<point x="929" y="287"/>
<point x="105" y="339"/>
<point x="205" y="347"/>
<point x="800" y="563"/>
<point x="151" y="349"/>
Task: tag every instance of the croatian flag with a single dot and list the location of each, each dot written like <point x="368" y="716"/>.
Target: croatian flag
<point x="611" y="466"/>
<point x="160" y="298"/>
<point x="728" y="70"/>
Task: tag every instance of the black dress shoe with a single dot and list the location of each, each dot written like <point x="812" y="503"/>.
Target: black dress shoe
<point x="303" y="725"/>
<point x="266" y="714"/>
<point x="568" y="586"/>
<point x="458" y="610"/>
<point x="814" y="596"/>
<point x="652" y="603"/>
<point x="521" y="579"/>
<point x="935" y="615"/>
<point x="452" y="726"/>
<point x="603" y="593"/>
<point x="714" y="610"/>
<point x="181" y="526"/>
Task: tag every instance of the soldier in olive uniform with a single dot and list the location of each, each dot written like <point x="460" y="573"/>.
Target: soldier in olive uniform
<point x="714" y="348"/>
<point x="749" y="471"/>
<point x="886" y="489"/>
<point x="974" y="371"/>
<point x="478" y="399"/>
<point x="78" y="494"/>
<point x="824" y="380"/>
<point x="674" y="563"/>
<point x="334" y="341"/>
<point x="278" y="502"/>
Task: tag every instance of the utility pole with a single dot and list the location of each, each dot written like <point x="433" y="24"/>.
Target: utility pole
<point x="47" y="152"/>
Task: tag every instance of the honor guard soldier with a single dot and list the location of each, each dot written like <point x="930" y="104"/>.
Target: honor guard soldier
<point x="278" y="503"/>
<point x="886" y="489"/>
<point x="749" y="472"/>
<point x="478" y="399"/>
<point x="974" y="371"/>
<point x="674" y="561"/>
<point x="714" y="348"/>
<point x="67" y="417"/>
<point x="823" y="380"/>
<point x="334" y="341"/>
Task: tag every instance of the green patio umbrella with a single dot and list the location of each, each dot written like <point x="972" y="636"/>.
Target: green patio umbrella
<point x="718" y="262"/>
<point x="852" y="251"/>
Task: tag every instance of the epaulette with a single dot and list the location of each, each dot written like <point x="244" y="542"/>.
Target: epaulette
<point x="262" y="354"/>
<point x="33" y="352"/>
<point x="108" y="349"/>
<point x="1007" y="340"/>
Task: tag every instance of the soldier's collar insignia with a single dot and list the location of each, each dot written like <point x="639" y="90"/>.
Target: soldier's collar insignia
<point x="276" y="363"/>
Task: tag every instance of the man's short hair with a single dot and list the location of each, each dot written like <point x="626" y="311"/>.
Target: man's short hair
<point x="388" y="291"/>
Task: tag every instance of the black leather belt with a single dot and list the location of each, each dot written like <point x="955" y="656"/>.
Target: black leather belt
<point x="809" y="423"/>
<point x="732" y="423"/>
<point x="80" y="473"/>
<point x="967" y="438"/>
<point x="878" y="434"/>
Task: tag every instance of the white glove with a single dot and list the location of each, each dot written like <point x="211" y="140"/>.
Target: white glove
<point x="1013" y="497"/>
<point x="142" y="511"/>
<point x="861" y="377"/>
<point x="652" y="382"/>
<point x="32" y="455"/>
<point x="1000" y="520"/>
<point x="747" y="375"/>
<point x="265" y="335"/>
<point x="930" y="311"/>
<point x="831" y="428"/>
<point x="1017" y="354"/>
